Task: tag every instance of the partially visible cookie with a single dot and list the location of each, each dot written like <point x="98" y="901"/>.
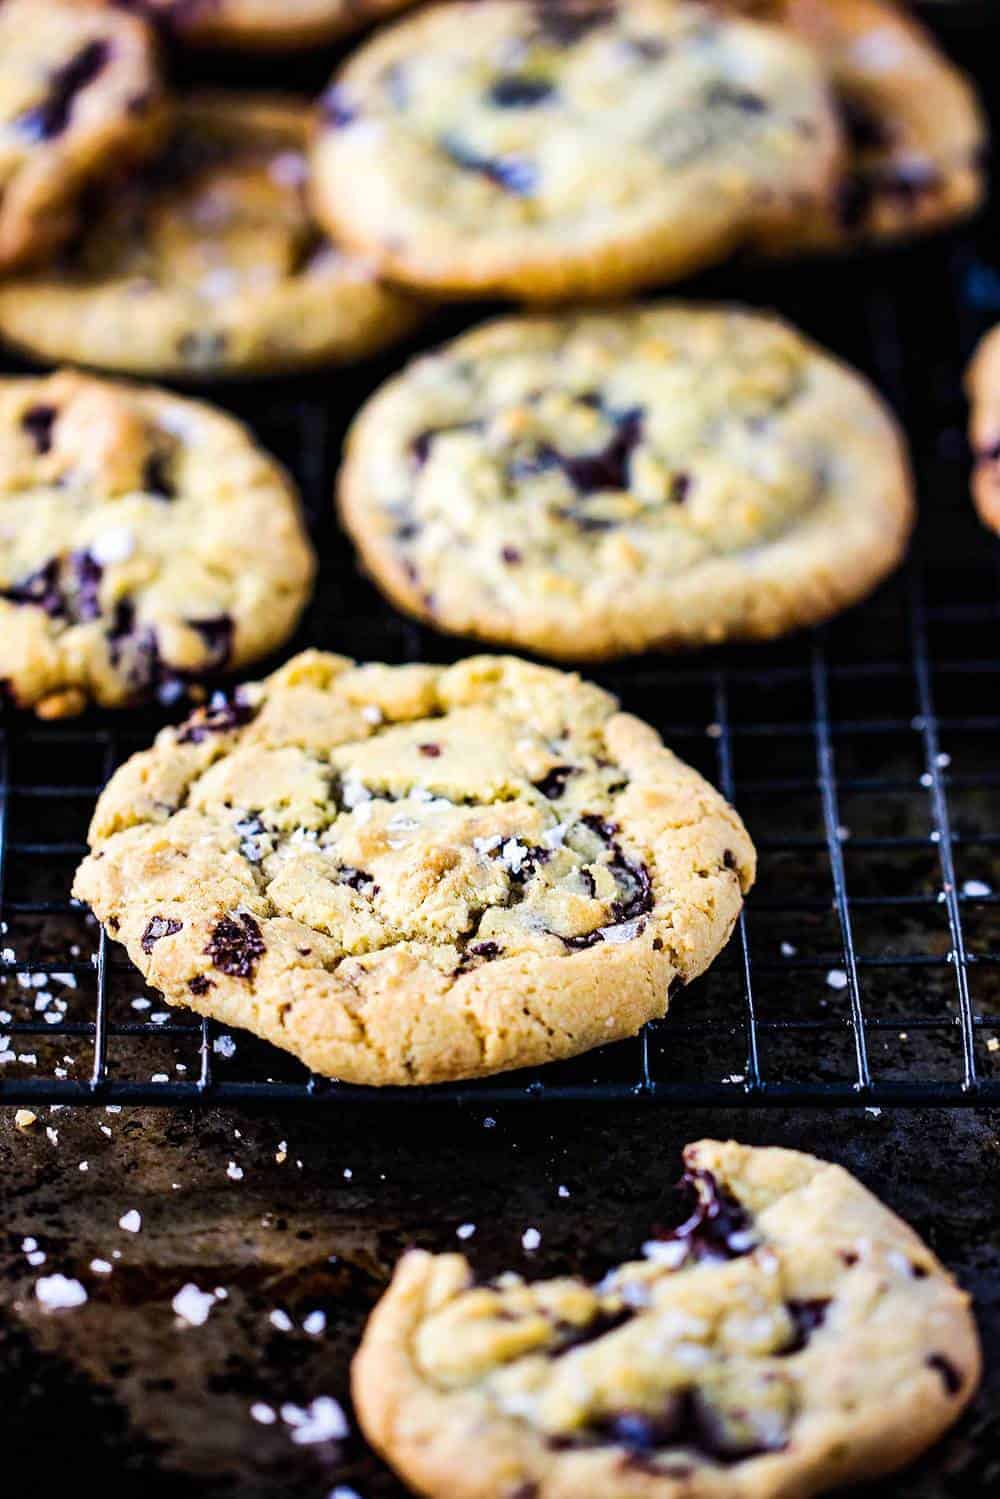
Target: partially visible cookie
<point x="408" y="874"/>
<point x="207" y="262"/>
<point x="80" y="93"/>
<point x="983" y="383"/>
<point x="265" y="24"/>
<point x="145" y="543"/>
<point x="790" y="1336"/>
<point x="915" y="129"/>
<point x="597" y="483"/>
<point x="540" y="149"/>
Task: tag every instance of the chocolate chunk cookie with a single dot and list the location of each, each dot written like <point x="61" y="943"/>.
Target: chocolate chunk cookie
<point x="915" y="130"/>
<point x="789" y="1336"/>
<point x="984" y="430"/>
<point x="145" y="542"/>
<point x="543" y="150"/>
<point x="80" y="92"/>
<point x="265" y="24"/>
<point x="407" y="874"/>
<point x="208" y="262"/>
<point x="598" y="483"/>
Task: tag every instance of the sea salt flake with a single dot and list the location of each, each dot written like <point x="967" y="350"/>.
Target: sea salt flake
<point x="531" y="1238"/>
<point x="224" y="1046"/>
<point x="315" y="1323"/>
<point x="671" y="1253"/>
<point x="323" y="1420"/>
<point x="465" y="1230"/>
<point x="234" y="1172"/>
<point x="281" y="1320"/>
<point x="116" y="544"/>
<point x="974" y="888"/>
<point x="131" y="1221"/>
<point x="101" y="1267"/>
<point x="837" y="978"/>
<point x="562" y="1191"/>
<point x="264" y="1415"/>
<point x="59" y="1292"/>
<point x="193" y="1305"/>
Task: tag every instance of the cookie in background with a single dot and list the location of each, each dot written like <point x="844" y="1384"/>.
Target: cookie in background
<point x="916" y="132"/>
<point x="548" y="150"/>
<point x="146" y="544"/>
<point x="207" y="262"/>
<point x="598" y="483"/>
<point x="80" y="94"/>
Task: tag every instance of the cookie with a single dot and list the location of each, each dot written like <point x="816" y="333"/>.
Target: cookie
<point x="791" y="1335"/>
<point x="597" y="483"/>
<point x="265" y="24"/>
<point x="208" y="263"/>
<point x="80" y="92"/>
<point x="404" y="874"/>
<point x="145" y="543"/>
<point x="544" y="150"/>
<point x="916" y="133"/>
<point x="983" y="383"/>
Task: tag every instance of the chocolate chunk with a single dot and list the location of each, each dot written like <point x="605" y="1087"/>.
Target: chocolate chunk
<point x="686" y="1420"/>
<point x="680" y="488"/>
<point x="65" y="588"/>
<point x="717" y="1228"/>
<point x="572" y="1336"/>
<point x="157" y="927"/>
<point x="592" y="473"/>
<point x="224" y="712"/>
<point x="358" y="879"/>
<point x="725" y="96"/>
<point x="85" y="575"/>
<point x="250" y="828"/>
<point x="864" y="130"/>
<point x="565" y="22"/>
<point x="235" y="945"/>
<point x="217" y="634"/>
<point x="156" y="477"/>
<point x="512" y="173"/>
<point x="806" y="1317"/>
<point x="420" y="447"/>
<point x="51" y="117"/>
<point x="553" y="784"/>
<point x="515" y="91"/>
<point x="40" y="588"/>
<point x="38" y="422"/>
<point x="133" y="648"/>
<point x="950" y="1376"/>
<point x="200" y="984"/>
<point x="432" y="751"/>
<point x="511" y="555"/>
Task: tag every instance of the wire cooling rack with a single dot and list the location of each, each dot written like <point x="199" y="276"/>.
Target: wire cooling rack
<point x="863" y="756"/>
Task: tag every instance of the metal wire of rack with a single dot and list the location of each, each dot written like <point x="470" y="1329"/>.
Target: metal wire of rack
<point x="866" y="967"/>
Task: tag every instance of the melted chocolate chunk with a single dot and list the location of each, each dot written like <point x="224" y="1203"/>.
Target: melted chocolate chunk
<point x="65" y="588"/>
<point x="235" y="945"/>
<point x="133" y="648"/>
<point x="865" y="130"/>
<point x="514" y="91"/>
<point x="512" y="173"/>
<point x="217" y="634"/>
<point x="431" y="751"/>
<point x="553" y="784"/>
<point x="356" y="878"/>
<point x="38" y="422"/>
<point x="335" y="109"/>
<point x="51" y="117"/>
<point x="950" y="1376"/>
<point x="606" y="1321"/>
<point x="511" y="555"/>
<point x="200" y="984"/>
<point x="686" y="1420"/>
<point x="806" y="1317"/>
<point x="157" y="927"/>
<point x="224" y="712"/>
<point x="636" y="898"/>
<point x="680" y="488"/>
<point x="591" y="473"/>
<point x="717" y="1228"/>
